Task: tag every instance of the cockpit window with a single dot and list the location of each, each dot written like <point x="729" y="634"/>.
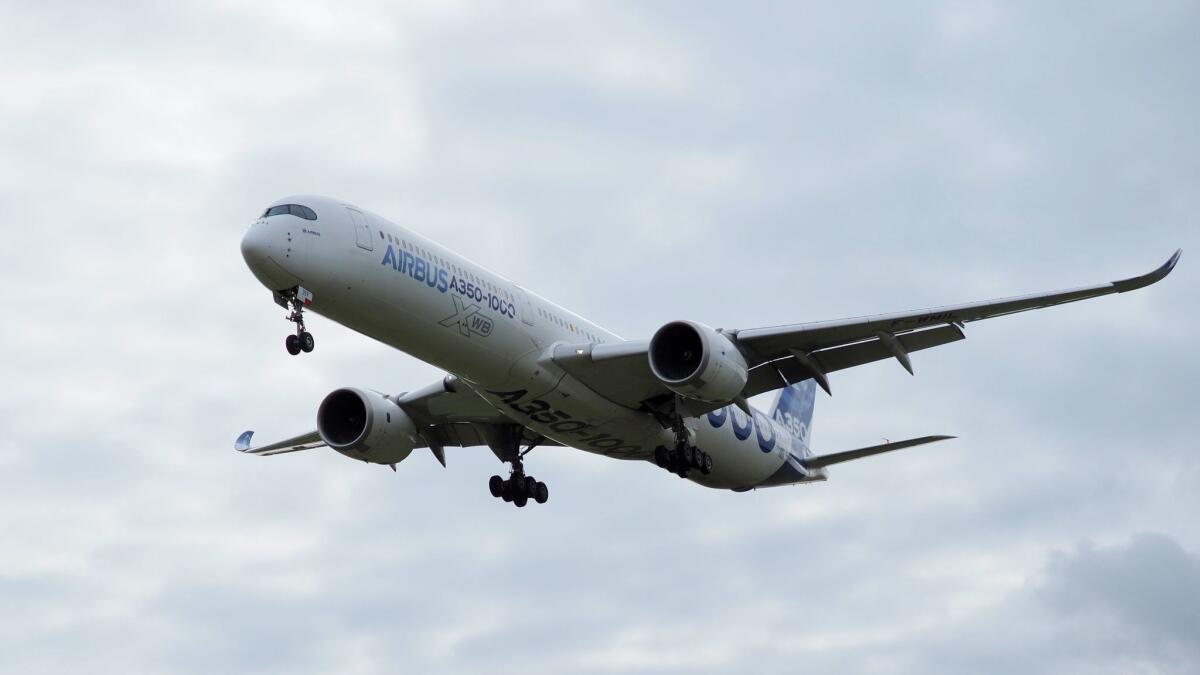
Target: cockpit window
<point x="302" y="211"/>
<point x="294" y="209"/>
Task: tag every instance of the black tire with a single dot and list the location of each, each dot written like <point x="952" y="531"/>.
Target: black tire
<point x="496" y="486"/>
<point x="689" y="456"/>
<point x="708" y="464"/>
<point x="530" y="487"/>
<point x="662" y="457"/>
<point x="506" y="491"/>
<point x="307" y="343"/>
<point x="292" y="343"/>
<point x="521" y="501"/>
<point x="542" y="493"/>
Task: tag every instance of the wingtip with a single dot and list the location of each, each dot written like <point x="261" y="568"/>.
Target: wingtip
<point x="1154" y="277"/>
<point x="242" y="444"/>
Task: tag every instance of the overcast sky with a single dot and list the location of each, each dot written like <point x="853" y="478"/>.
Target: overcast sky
<point x="638" y="164"/>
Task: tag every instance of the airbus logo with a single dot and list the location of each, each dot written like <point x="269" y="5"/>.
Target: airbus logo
<point x="468" y="318"/>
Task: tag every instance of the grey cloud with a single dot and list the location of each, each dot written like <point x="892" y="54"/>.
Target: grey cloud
<point x="638" y="163"/>
<point x="1116" y="608"/>
<point x="1149" y="588"/>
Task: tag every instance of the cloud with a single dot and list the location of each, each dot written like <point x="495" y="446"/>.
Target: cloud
<point x="637" y="164"/>
<point x="1149" y="590"/>
<point x="1122" y="607"/>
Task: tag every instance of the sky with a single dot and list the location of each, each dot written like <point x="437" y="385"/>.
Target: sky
<point x="739" y="165"/>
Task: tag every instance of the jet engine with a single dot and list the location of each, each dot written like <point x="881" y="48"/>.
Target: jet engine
<point x="366" y="425"/>
<point x="697" y="362"/>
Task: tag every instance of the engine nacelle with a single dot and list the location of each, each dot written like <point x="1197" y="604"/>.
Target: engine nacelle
<point x="366" y="425"/>
<point x="697" y="362"/>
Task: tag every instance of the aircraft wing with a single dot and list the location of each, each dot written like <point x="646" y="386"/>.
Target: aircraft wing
<point x="295" y="444"/>
<point x="783" y="355"/>
<point x="447" y="414"/>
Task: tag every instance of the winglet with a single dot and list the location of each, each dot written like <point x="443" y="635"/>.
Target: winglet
<point x="1134" y="283"/>
<point x="243" y="442"/>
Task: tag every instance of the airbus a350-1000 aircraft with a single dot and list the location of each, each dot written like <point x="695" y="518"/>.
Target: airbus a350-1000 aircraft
<point x="524" y="372"/>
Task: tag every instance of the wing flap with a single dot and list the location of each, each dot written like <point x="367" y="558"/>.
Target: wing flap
<point x="767" y="377"/>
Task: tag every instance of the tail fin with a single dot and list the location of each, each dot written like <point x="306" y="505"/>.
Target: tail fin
<point x="794" y="409"/>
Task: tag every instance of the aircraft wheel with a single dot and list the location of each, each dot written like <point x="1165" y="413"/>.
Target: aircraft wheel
<point x="507" y="492"/>
<point x="496" y="486"/>
<point x="530" y="487"/>
<point x="307" y="343"/>
<point x="708" y="464"/>
<point x="292" y="343"/>
<point x="521" y="501"/>
<point x="541" y="493"/>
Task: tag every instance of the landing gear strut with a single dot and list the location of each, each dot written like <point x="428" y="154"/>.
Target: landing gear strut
<point x="684" y="456"/>
<point x="519" y="488"/>
<point x="303" y="340"/>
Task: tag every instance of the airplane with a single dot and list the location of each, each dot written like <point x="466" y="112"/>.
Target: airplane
<point x="523" y="372"/>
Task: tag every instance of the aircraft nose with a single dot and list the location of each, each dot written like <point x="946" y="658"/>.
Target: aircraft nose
<point x="262" y="249"/>
<point x="256" y="246"/>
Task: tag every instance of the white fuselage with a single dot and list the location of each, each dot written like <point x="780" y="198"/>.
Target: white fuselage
<point x="406" y="291"/>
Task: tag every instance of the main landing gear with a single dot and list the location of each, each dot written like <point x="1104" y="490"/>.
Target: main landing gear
<point x="303" y="340"/>
<point x="684" y="457"/>
<point x="519" y="488"/>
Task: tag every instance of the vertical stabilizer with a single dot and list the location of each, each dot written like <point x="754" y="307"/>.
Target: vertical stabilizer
<point x="794" y="409"/>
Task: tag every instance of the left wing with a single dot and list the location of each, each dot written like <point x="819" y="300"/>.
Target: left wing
<point x="302" y="442"/>
<point x="447" y="414"/>
<point x="783" y="355"/>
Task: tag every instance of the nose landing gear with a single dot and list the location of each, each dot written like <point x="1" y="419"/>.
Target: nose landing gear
<point x="302" y="341"/>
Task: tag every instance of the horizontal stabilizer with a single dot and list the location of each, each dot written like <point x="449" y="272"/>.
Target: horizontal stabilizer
<point x="820" y="461"/>
<point x="303" y="442"/>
